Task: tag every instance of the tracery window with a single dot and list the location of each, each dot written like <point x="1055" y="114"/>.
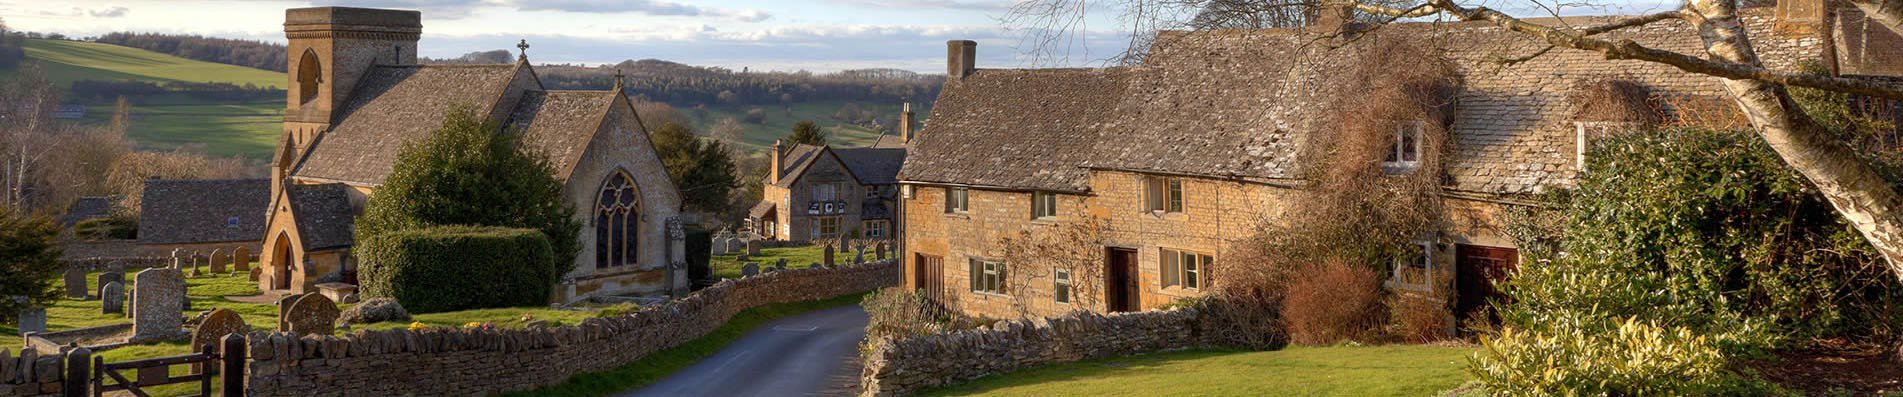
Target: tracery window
<point x="617" y="222"/>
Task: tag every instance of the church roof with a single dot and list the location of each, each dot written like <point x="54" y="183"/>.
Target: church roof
<point x="393" y="105"/>
<point x="188" y="211"/>
<point x="561" y="123"/>
<point x="323" y="215"/>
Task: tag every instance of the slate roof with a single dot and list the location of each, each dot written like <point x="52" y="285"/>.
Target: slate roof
<point x="561" y="123"/>
<point x="795" y="162"/>
<point x="1021" y="129"/>
<point x="888" y="141"/>
<point x="324" y="217"/>
<point x="397" y="104"/>
<point x="873" y="166"/>
<point x="874" y="208"/>
<point x="85" y="208"/>
<point x="190" y="211"/>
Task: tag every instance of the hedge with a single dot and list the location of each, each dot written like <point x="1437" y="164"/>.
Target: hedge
<point x="449" y="268"/>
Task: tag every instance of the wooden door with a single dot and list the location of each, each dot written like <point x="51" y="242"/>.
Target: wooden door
<point x="1478" y="272"/>
<point x="1121" y="291"/>
<point x="928" y="276"/>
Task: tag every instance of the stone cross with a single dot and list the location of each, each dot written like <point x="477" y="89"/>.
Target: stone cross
<point x="32" y="319"/>
<point x="76" y="283"/>
<point x="753" y="247"/>
<point x="112" y="298"/>
<point x="312" y="314"/>
<point x="157" y="299"/>
<point x="194" y="260"/>
<point x="241" y="260"/>
<point x="216" y="325"/>
<point x="828" y="256"/>
<point x="219" y="261"/>
<point x="751" y="269"/>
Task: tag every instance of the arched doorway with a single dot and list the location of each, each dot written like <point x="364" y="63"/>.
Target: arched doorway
<point x="281" y="263"/>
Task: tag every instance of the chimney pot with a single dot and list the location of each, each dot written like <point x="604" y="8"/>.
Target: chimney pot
<point x="960" y="58"/>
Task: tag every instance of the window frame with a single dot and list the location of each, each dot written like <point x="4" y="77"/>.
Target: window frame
<point x="1043" y="206"/>
<point x="987" y="276"/>
<point x="1424" y="253"/>
<point x="1061" y="286"/>
<point x="1163" y="195"/>
<point x="1183" y="269"/>
<point x="1407" y="141"/>
<point x="820" y="224"/>
<point x="871" y="230"/>
<point x="962" y="204"/>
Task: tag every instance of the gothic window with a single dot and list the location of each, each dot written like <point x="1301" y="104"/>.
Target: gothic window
<point x="617" y="222"/>
<point x="309" y="74"/>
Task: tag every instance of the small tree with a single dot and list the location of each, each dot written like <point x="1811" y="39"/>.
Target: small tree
<point x="807" y="133"/>
<point x="472" y="172"/>
<point x="29" y="261"/>
<point x="702" y="170"/>
<point x="756" y="116"/>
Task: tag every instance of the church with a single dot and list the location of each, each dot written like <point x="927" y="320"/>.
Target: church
<point x="357" y="94"/>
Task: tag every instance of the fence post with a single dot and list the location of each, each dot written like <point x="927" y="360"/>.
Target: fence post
<point x="78" y="365"/>
<point x="234" y="357"/>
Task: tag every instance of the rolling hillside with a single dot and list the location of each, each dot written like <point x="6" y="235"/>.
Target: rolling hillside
<point x="246" y="129"/>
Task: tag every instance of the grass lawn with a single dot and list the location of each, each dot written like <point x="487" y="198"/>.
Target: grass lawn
<point x="660" y="364"/>
<point x="1401" y="370"/>
<point x="67" y="61"/>
<point x="725" y="266"/>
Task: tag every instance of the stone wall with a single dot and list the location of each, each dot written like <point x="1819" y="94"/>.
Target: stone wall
<point x="465" y="362"/>
<point x="29" y="374"/>
<point x="902" y="366"/>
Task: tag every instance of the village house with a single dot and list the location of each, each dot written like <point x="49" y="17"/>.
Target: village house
<point x="1174" y="161"/>
<point x="357" y="94"/>
<point x="824" y="192"/>
<point x="201" y="215"/>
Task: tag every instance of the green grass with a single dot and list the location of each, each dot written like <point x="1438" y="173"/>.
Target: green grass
<point x="726" y="266"/>
<point x="660" y="364"/>
<point x="1403" y="370"/>
<point x="502" y="317"/>
<point x="69" y="61"/>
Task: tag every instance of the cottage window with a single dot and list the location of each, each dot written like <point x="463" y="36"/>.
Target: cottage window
<point x="1060" y="289"/>
<point x="1415" y="268"/>
<point x="617" y="227"/>
<point x="1588" y="131"/>
<point x="824" y="227"/>
<point x="1406" y="153"/>
<point x="957" y="200"/>
<point x="1183" y="268"/>
<point x="987" y="276"/>
<point x="825" y="192"/>
<point x="874" y="228"/>
<point x="872" y="191"/>
<point x="1043" y="205"/>
<point x="1163" y="194"/>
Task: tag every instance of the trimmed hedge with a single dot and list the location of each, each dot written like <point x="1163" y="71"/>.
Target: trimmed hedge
<point x="449" y="268"/>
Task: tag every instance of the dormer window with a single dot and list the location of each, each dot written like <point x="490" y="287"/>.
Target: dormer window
<point x="1588" y="131"/>
<point x="1405" y="154"/>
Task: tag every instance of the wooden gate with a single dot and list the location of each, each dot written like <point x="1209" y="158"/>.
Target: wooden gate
<point x="203" y="366"/>
<point x="928" y="275"/>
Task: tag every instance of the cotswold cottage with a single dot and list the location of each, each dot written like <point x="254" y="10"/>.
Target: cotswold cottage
<point x="357" y="94"/>
<point x="822" y="192"/>
<point x="1175" y="161"/>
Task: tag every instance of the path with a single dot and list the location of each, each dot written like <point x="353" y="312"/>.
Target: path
<point x="808" y="354"/>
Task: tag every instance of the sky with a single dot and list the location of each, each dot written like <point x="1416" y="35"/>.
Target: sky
<point x="786" y="35"/>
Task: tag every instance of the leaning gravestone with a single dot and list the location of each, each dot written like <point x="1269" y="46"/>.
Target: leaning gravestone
<point x="219" y="261"/>
<point x="157" y="298"/>
<point x="880" y="251"/>
<point x="76" y="283"/>
<point x="112" y="298"/>
<point x="32" y="319"/>
<point x="753" y="247"/>
<point x="216" y="325"/>
<point x="254" y="273"/>
<point x="312" y="314"/>
<point x="751" y="269"/>
<point x="827" y="254"/>
<point x="241" y="260"/>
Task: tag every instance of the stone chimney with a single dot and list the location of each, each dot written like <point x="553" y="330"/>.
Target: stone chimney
<point x="906" y="121"/>
<point x="773" y="166"/>
<point x="960" y="58"/>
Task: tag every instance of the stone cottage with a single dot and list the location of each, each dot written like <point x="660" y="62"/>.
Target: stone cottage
<point x="822" y="192"/>
<point x="202" y="214"/>
<point x="357" y="94"/>
<point x="1175" y="160"/>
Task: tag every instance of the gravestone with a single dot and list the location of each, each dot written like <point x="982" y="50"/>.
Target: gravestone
<point x="157" y="297"/>
<point x="241" y="260"/>
<point x="76" y="283"/>
<point x="879" y="252"/>
<point x="284" y="305"/>
<point x="219" y="261"/>
<point x="735" y="244"/>
<point x="216" y="325"/>
<point x="254" y="273"/>
<point x="312" y="314"/>
<point x="111" y="276"/>
<point x="827" y="256"/>
<point x="859" y="258"/>
<point x="753" y="247"/>
<point x="719" y="247"/>
<point x="178" y="262"/>
<point x="193" y="259"/>
<point x="751" y="269"/>
<point x="112" y="298"/>
<point x="32" y="319"/>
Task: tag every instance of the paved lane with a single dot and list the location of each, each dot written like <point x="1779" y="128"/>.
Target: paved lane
<point x="808" y="354"/>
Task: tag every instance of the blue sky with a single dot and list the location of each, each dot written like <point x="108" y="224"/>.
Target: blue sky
<point x="817" y="35"/>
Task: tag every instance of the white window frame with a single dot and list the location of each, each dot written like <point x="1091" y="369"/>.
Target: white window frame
<point x="1163" y="195"/>
<point x="1183" y="269"/>
<point x="990" y="276"/>
<point x="964" y="200"/>
<point x="1060" y="286"/>
<point x="1404" y="133"/>
<point x="1424" y="264"/>
<point x="874" y="228"/>
<point x="824" y="192"/>
<point x="1045" y="201"/>
<point x="1584" y="132"/>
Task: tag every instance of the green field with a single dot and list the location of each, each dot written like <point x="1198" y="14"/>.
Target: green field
<point x="779" y="123"/>
<point x="164" y="122"/>
<point x="726" y="266"/>
<point x="1402" y="370"/>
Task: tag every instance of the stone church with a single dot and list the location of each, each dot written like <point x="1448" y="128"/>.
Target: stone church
<point x="357" y="94"/>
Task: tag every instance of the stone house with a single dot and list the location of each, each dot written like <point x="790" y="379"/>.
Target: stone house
<point x="822" y="192"/>
<point x="202" y="214"/>
<point x="357" y="94"/>
<point x="1170" y="163"/>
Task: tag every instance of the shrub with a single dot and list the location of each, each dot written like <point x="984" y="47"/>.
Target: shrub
<point x="29" y="261"/>
<point x="450" y="268"/>
<point x="1419" y="319"/>
<point x="1627" y="357"/>
<point x="1331" y="302"/>
<point x="115" y="227"/>
<point x="899" y="312"/>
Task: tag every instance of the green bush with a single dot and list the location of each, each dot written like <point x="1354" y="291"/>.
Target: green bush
<point x="29" y="262"/>
<point x="449" y="268"/>
<point x="119" y="228"/>
<point x="1620" y="358"/>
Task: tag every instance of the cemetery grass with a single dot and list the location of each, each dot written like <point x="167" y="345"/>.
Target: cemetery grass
<point x="1392" y="370"/>
<point x="660" y="364"/>
<point x="725" y="266"/>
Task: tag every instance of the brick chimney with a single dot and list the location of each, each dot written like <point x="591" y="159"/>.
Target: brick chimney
<point x="960" y="58"/>
<point x="773" y="171"/>
<point x="906" y="121"/>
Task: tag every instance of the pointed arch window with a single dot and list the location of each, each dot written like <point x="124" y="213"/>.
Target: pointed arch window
<point x="309" y="73"/>
<point x="617" y="222"/>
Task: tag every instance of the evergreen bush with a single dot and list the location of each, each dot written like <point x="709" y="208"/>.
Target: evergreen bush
<point x="449" y="268"/>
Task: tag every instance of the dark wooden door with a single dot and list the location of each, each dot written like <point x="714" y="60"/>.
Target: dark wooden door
<point x="1121" y="291"/>
<point x="928" y="272"/>
<point x="1479" y="270"/>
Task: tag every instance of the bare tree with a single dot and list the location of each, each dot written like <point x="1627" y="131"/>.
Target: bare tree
<point x="26" y="106"/>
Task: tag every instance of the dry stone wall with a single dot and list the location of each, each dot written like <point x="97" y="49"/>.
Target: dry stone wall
<point x="902" y="366"/>
<point x="446" y="361"/>
<point x="29" y="374"/>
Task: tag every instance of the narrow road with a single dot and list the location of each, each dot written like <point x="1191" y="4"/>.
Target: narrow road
<point x="808" y="354"/>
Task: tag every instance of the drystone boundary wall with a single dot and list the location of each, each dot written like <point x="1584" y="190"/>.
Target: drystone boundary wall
<point x="902" y="366"/>
<point x="29" y="374"/>
<point x="443" y="361"/>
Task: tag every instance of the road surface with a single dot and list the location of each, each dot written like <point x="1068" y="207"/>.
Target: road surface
<point x="808" y="354"/>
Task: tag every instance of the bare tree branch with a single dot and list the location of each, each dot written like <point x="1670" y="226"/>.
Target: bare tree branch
<point x="1888" y="13"/>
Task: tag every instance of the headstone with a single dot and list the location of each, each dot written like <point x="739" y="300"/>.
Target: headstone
<point x="751" y="269"/>
<point x="219" y="261"/>
<point x="112" y="298"/>
<point x="178" y="262"/>
<point x="753" y="247"/>
<point x="719" y="247"/>
<point x="880" y="251"/>
<point x="241" y="260"/>
<point x="859" y="257"/>
<point x="157" y="298"/>
<point x="254" y="273"/>
<point x="32" y="319"/>
<point x="312" y="314"/>
<point x="735" y="244"/>
<point x="111" y="276"/>
<point x="76" y="283"/>
<point x="827" y="256"/>
<point x="284" y="306"/>
<point x="215" y="326"/>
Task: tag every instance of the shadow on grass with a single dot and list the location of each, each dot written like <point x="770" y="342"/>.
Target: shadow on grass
<point x="1335" y="370"/>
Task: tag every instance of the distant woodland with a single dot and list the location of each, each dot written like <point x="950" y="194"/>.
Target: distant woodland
<point x="247" y="53"/>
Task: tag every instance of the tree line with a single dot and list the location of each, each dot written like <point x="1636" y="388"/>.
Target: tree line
<point x="687" y="85"/>
<point x="247" y="53"/>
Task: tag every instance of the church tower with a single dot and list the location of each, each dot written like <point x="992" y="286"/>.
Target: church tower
<point x="331" y="48"/>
